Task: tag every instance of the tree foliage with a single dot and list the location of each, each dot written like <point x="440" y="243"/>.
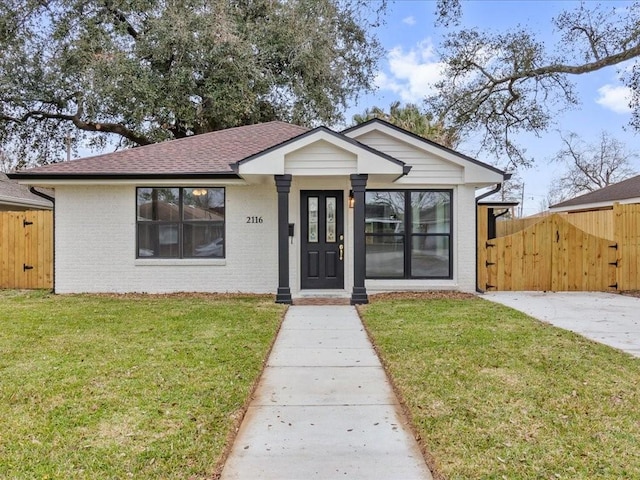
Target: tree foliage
<point x="147" y="71"/>
<point x="507" y="83"/>
<point x="590" y="167"/>
<point x="410" y="117"/>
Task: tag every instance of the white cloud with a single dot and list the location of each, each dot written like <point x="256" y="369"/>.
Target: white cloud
<point x="412" y="74"/>
<point x="411" y="20"/>
<point x="615" y="98"/>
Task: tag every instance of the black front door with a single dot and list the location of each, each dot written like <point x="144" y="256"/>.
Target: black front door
<point x="322" y="235"/>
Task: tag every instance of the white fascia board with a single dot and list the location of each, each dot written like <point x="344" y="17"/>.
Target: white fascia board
<point x="473" y="173"/>
<point x="273" y="162"/>
<point x="17" y="202"/>
<point x="163" y="182"/>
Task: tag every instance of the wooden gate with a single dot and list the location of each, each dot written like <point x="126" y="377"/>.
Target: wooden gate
<point x="26" y="249"/>
<point x="627" y="235"/>
<point x="550" y="255"/>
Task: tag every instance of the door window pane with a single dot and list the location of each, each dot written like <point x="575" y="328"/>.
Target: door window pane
<point x="385" y="256"/>
<point x="430" y="212"/>
<point x="313" y="219"/>
<point x="430" y="256"/>
<point x="331" y="220"/>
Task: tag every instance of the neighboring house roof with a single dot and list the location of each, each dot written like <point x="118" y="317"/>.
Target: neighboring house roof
<point x="208" y="153"/>
<point x="13" y="194"/>
<point x="626" y="192"/>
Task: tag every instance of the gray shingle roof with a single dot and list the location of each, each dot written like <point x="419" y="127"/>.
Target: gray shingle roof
<point x="208" y="153"/>
<point x="626" y="189"/>
<point x="13" y="193"/>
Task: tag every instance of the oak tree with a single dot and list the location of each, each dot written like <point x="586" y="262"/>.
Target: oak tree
<point x="134" y="72"/>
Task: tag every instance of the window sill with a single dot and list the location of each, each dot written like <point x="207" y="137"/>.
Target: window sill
<point x="191" y="262"/>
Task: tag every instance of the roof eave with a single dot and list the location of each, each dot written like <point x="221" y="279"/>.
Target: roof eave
<point x="19" y="202"/>
<point x="25" y="177"/>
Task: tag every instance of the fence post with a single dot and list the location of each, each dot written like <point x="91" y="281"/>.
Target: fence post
<point x="481" y="238"/>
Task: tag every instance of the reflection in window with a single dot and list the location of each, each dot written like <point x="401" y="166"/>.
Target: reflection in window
<point x="385" y="256"/>
<point x="180" y="222"/>
<point x="430" y="256"/>
<point x="430" y="212"/>
<point x="384" y="212"/>
<point x="408" y="234"/>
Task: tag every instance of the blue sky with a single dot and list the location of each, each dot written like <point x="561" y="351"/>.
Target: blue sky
<point x="411" y="66"/>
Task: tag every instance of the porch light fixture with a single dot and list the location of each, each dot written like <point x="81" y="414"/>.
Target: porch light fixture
<point x="352" y="199"/>
<point x="198" y="192"/>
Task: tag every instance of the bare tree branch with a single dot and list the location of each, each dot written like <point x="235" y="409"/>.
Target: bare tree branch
<point x="590" y="167"/>
<point x="502" y="84"/>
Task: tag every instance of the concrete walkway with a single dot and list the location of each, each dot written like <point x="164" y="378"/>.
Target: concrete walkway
<point x="324" y="408"/>
<point x="607" y="318"/>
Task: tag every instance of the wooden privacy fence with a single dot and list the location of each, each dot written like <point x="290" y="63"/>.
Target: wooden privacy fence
<point x="585" y="251"/>
<point x="26" y="249"/>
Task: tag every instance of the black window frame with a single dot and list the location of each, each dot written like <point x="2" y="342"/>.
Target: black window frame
<point x="408" y="235"/>
<point x="181" y="222"/>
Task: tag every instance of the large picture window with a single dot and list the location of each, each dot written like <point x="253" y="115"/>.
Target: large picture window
<point x="408" y="233"/>
<point x="180" y="222"/>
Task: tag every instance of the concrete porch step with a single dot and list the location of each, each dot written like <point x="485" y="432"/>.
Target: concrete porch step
<point x="322" y="297"/>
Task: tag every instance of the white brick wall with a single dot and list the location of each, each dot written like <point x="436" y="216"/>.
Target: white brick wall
<point x="96" y="238"/>
<point x="465" y="238"/>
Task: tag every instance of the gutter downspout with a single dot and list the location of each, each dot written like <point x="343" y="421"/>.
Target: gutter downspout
<point x="405" y="171"/>
<point x="42" y="195"/>
<point x="484" y="195"/>
<point x="53" y="202"/>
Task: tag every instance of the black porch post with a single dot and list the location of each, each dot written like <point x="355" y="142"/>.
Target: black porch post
<point x="359" y="294"/>
<point x="283" y="186"/>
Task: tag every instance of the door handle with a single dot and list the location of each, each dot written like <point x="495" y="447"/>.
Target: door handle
<point x="341" y="248"/>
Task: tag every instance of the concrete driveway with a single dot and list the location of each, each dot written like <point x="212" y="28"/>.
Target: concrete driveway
<point x="607" y="318"/>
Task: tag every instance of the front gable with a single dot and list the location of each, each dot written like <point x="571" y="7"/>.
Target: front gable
<point x="425" y="167"/>
<point x="321" y="152"/>
<point x="429" y="162"/>
<point x="320" y="158"/>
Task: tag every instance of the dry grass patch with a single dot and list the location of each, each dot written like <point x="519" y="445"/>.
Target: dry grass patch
<point x="496" y="394"/>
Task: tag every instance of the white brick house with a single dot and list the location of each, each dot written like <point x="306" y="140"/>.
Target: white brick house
<point x="269" y="208"/>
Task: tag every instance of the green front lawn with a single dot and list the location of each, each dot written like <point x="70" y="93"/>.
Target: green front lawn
<point x="495" y="394"/>
<point x="125" y="387"/>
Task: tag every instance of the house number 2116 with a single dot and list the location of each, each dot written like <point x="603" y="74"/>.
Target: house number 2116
<point x="255" y="220"/>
